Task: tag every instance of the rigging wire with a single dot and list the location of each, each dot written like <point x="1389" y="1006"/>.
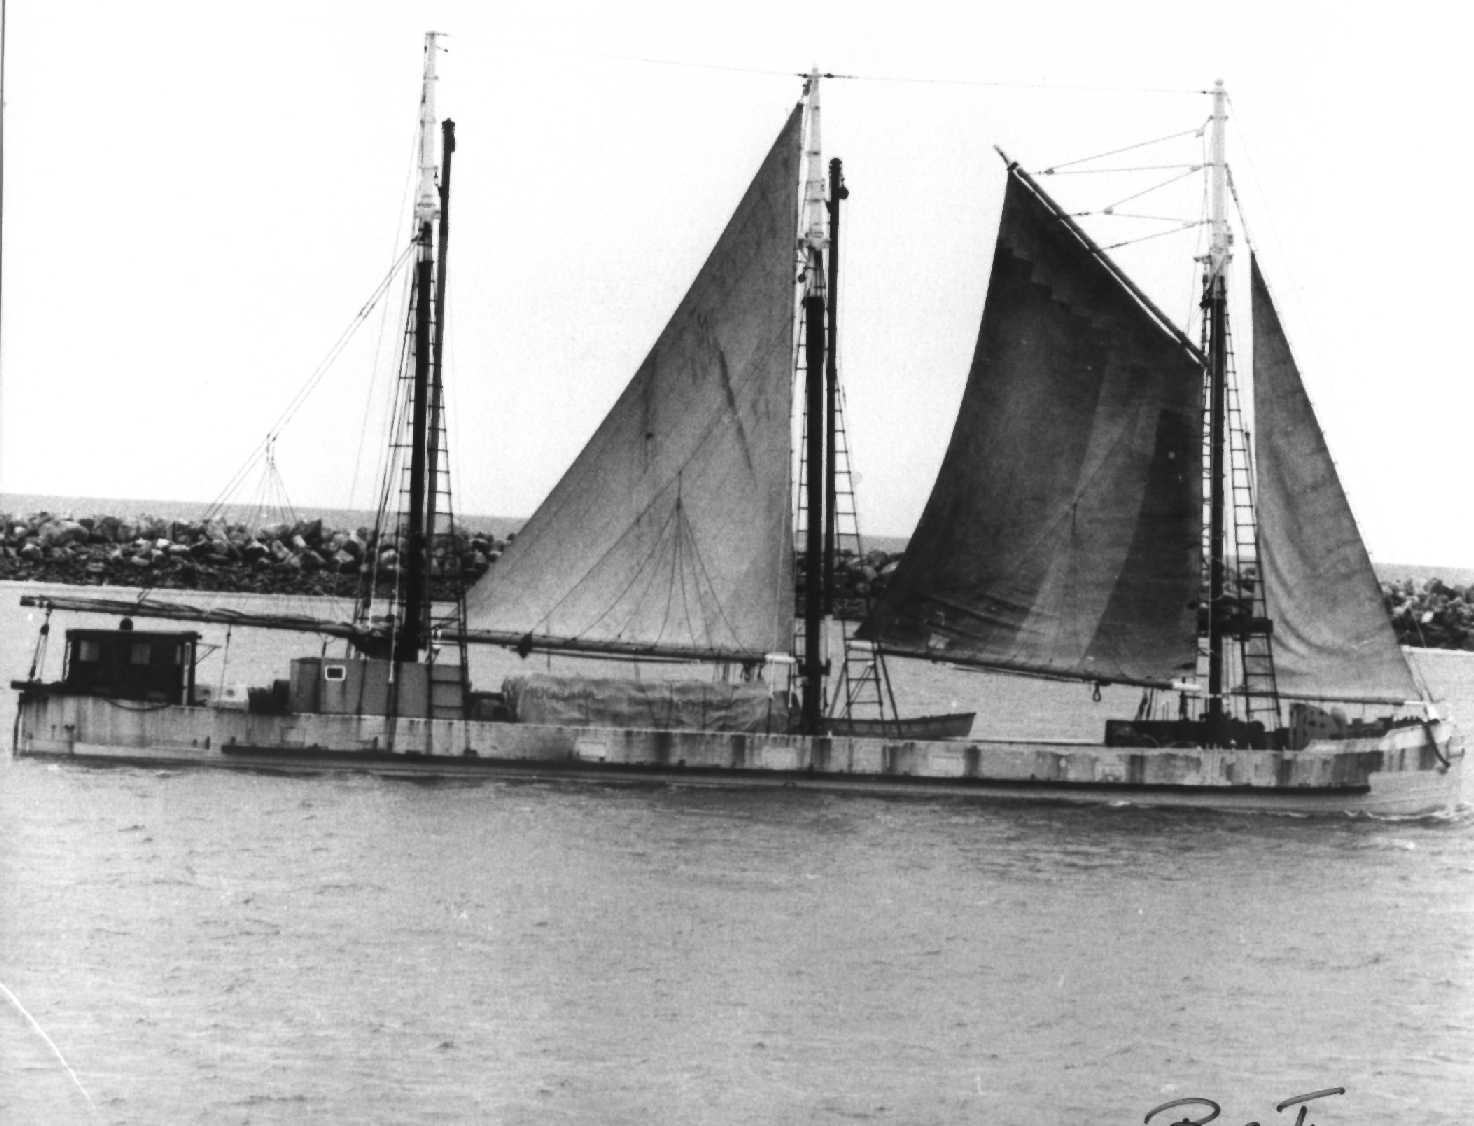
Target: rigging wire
<point x="644" y="567"/>
<point x="1136" y="168"/>
<point x="521" y="48"/>
<point x="1184" y="169"/>
<point x="1005" y="85"/>
<point x="1283" y="268"/>
<point x="1111" y="207"/>
<point x="373" y="394"/>
<point x="677" y="581"/>
<point x="1200" y="246"/>
<point x="1054" y="169"/>
<point x="1184" y="226"/>
<point x="1258" y="185"/>
<point x="724" y="67"/>
<point x="392" y="470"/>
<point x="311" y="383"/>
<point x="1114" y="214"/>
<point x="451" y="450"/>
<point x="705" y="583"/>
<point x="271" y="492"/>
<point x="1238" y="206"/>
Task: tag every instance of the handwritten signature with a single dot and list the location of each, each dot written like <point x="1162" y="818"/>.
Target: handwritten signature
<point x="1213" y="1108"/>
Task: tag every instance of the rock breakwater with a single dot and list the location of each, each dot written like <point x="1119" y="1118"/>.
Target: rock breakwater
<point x="304" y="557"/>
<point x="299" y="557"/>
<point x="1431" y="614"/>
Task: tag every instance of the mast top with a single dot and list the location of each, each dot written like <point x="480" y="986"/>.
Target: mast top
<point x="1220" y="252"/>
<point x="427" y="195"/>
<point x="815" y="237"/>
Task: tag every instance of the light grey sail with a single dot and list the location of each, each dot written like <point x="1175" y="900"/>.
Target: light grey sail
<point x="672" y="530"/>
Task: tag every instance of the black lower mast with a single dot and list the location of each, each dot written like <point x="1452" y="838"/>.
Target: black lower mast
<point x="814" y="433"/>
<point x="837" y="192"/>
<point x="432" y="435"/>
<point x="411" y="637"/>
<point x="1217" y="302"/>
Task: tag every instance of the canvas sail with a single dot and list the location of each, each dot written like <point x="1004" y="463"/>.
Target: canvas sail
<point x="671" y="532"/>
<point x="1063" y="533"/>
<point x="1332" y="637"/>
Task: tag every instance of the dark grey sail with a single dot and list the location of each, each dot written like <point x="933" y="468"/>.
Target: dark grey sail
<point x="1063" y="534"/>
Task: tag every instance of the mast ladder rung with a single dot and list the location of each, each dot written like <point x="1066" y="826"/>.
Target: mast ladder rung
<point x="1241" y="580"/>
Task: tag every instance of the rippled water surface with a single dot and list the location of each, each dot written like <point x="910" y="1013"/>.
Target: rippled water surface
<point x="222" y="947"/>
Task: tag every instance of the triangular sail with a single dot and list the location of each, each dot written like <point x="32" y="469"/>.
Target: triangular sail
<point x="1062" y="536"/>
<point x="1332" y="637"/>
<point x="671" y="531"/>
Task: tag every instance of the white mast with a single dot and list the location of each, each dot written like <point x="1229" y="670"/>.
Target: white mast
<point x="427" y="197"/>
<point x="815" y="233"/>
<point x="1220" y="252"/>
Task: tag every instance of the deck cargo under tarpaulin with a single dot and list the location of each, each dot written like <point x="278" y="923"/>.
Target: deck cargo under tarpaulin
<point x="660" y="704"/>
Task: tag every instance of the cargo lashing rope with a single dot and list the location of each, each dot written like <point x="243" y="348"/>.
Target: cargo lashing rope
<point x="38" y="658"/>
<point x="224" y="661"/>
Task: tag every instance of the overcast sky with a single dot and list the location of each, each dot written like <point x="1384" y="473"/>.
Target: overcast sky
<point x="199" y="198"/>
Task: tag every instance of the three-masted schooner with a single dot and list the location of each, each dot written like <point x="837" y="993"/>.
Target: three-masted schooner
<point x="1070" y="534"/>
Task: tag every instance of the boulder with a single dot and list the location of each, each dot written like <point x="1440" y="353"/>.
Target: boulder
<point x="309" y="531"/>
<point x="152" y="528"/>
<point x="59" y="533"/>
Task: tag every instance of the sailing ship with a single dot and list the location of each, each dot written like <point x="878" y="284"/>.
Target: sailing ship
<point x="1089" y="523"/>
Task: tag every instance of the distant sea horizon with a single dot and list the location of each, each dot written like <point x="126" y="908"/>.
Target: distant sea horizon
<point x="340" y="519"/>
<point x="31" y="504"/>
